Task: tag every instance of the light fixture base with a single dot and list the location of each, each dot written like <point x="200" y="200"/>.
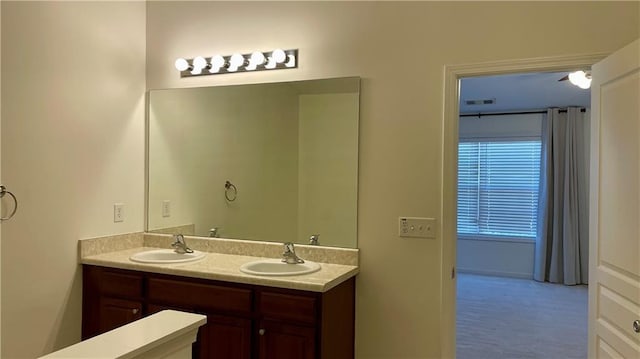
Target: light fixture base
<point x="291" y="62"/>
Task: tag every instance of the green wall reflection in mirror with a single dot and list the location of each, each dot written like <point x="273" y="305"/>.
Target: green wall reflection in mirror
<point x="273" y="162"/>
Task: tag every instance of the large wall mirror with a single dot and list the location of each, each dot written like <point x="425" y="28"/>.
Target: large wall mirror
<point x="271" y="162"/>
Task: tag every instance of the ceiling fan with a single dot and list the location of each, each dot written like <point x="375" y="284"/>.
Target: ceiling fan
<point x="581" y="79"/>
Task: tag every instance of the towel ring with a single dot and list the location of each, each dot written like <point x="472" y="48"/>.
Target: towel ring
<point x="228" y="187"/>
<point x="3" y="191"/>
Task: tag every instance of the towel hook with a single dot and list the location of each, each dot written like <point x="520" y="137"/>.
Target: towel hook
<point x="227" y="187"/>
<point x="3" y="191"/>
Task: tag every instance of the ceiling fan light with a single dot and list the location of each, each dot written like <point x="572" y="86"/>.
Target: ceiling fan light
<point x="585" y="84"/>
<point x="580" y="79"/>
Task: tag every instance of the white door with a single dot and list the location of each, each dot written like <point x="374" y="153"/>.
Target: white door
<point x="614" y="265"/>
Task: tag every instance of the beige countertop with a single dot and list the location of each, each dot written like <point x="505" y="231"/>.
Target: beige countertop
<point x="226" y="267"/>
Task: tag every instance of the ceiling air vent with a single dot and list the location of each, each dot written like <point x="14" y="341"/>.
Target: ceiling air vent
<point x="489" y="101"/>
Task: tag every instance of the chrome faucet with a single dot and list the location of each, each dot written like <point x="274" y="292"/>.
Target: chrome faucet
<point x="314" y="240"/>
<point x="213" y="232"/>
<point x="289" y="256"/>
<point x="180" y="245"/>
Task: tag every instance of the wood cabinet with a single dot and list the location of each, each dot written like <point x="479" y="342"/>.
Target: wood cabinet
<point x="116" y="299"/>
<point x="117" y="312"/>
<point x="243" y="321"/>
<point x="286" y="341"/>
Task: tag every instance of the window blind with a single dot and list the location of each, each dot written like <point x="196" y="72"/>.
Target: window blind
<point x="498" y="185"/>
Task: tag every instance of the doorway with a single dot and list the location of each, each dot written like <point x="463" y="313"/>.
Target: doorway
<point x="453" y="75"/>
<point x="504" y="132"/>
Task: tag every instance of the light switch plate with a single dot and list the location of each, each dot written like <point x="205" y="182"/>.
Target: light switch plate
<point x="166" y="208"/>
<point x="118" y="212"/>
<point x="417" y="227"/>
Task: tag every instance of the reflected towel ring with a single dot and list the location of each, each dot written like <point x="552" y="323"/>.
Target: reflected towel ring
<point x="227" y="187"/>
<point x="3" y="191"/>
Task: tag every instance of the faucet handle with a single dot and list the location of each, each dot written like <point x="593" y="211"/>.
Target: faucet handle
<point x="180" y="244"/>
<point x="289" y="248"/>
<point x="314" y="239"/>
<point x="289" y="256"/>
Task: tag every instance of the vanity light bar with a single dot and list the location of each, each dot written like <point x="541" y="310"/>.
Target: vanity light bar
<point x="256" y="61"/>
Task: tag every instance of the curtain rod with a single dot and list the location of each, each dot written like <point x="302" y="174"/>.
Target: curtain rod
<point x="479" y="114"/>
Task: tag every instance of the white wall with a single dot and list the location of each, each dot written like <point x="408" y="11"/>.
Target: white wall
<point x="528" y="125"/>
<point x="73" y="82"/>
<point x="400" y="50"/>
<point x="327" y="153"/>
<point x="495" y="257"/>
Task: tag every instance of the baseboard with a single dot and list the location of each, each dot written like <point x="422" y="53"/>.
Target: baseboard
<point x="496" y="273"/>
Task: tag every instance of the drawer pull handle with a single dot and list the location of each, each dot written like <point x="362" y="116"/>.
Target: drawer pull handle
<point x="134" y="311"/>
<point x="261" y="331"/>
<point x="636" y="326"/>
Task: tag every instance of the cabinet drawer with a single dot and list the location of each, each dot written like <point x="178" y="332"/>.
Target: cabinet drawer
<point x="287" y="307"/>
<point x="196" y="295"/>
<point x="120" y="284"/>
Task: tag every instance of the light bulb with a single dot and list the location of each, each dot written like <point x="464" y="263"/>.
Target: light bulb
<point x="235" y="62"/>
<point x="199" y="62"/>
<point x="216" y="63"/>
<point x="585" y="83"/>
<point x="182" y="64"/>
<point x="279" y="56"/>
<point x="257" y="58"/>
<point x="576" y="77"/>
<point x="580" y="79"/>
<point x="271" y="63"/>
<point x="291" y="62"/>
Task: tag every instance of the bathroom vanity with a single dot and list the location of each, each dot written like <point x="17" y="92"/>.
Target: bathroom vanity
<point x="307" y="316"/>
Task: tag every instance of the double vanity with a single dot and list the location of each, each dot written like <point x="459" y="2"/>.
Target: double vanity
<point x="288" y="152"/>
<point x="255" y="306"/>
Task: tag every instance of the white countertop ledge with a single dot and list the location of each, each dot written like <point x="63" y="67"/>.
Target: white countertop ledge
<point x="135" y="338"/>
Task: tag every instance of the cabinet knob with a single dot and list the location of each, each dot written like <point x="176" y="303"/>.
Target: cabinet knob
<point x="134" y="311"/>
<point x="261" y="331"/>
<point x="636" y="326"/>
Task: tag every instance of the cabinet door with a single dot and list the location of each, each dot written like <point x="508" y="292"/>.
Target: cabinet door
<point x="223" y="337"/>
<point x="277" y="340"/>
<point x="117" y="312"/>
<point x="229" y="337"/>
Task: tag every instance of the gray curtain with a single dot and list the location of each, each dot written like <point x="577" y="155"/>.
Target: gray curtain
<point x="561" y="254"/>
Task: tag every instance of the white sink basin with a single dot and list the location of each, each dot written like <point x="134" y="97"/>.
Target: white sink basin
<point x="275" y="267"/>
<point x="166" y="256"/>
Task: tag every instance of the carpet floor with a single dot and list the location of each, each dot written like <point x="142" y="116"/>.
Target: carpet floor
<point x="508" y="318"/>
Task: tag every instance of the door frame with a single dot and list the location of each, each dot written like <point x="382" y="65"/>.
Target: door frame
<point x="452" y="76"/>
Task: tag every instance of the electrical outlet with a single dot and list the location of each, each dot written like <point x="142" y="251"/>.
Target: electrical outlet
<point x="417" y="227"/>
<point x="118" y="212"/>
<point x="166" y="208"/>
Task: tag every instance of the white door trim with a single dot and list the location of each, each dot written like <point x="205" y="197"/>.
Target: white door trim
<point x="452" y="75"/>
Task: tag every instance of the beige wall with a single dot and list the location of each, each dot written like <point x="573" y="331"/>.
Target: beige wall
<point x="327" y="169"/>
<point x="0" y="177"/>
<point x="72" y="136"/>
<point x="73" y="81"/>
<point x="399" y="49"/>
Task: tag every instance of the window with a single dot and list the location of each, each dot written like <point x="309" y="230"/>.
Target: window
<point x="498" y="184"/>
